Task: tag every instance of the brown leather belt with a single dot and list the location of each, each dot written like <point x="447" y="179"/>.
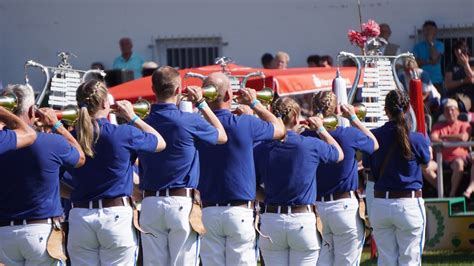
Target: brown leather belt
<point x="180" y="192"/>
<point x="335" y="196"/>
<point x="233" y="203"/>
<point x="397" y="194"/>
<point x="289" y="209"/>
<point x="103" y="203"/>
<point x="29" y="221"/>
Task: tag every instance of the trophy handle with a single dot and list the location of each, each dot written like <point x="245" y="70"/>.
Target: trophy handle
<point x="353" y="90"/>
<point x="31" y="63"/>
<point x="248" y="76"/>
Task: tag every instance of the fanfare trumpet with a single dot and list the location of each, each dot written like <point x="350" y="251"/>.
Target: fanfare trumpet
<point x="141" y="107"/>
<point x="330" y="122"/>
<point x="209" y="92"/>
<point x="265" y="95"/>
<point x="360" y="111"/>
<point x="9" y="101"/>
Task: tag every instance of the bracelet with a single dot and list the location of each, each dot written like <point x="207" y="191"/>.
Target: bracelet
<point x="254" y="103"/>
<point x="200" y="101"/>
<point x="56" y="126"/>
<point x="202" y="105"/>
<point x="134" y="119"/>
<point x="353" y="118"/>
<point x="321" y="129"/>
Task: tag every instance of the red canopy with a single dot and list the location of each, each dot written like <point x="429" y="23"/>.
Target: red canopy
<point x="290" y="81"/>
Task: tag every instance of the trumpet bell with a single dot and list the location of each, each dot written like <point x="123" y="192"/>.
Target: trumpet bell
<point x="142" y="108"/>
<point x="265" y="96"/>
<point x="330" y="122"/>
<point x="9" y="101"/>
<point x="360" y="111"/>
<point x="209" y="93"/>
<point x="69" y="115"/>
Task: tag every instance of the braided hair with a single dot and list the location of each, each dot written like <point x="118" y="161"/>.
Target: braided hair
<point x="324" y="102"/>
<point x="286" y="108"/>
<point x="90" y="97"/>
<point x="396" y="105"/>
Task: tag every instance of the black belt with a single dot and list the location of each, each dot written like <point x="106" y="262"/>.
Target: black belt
<point x="335" y="196"/>
<point x="397" y="194"/>
<point x="103" y="203"/>
<point x="233" y="203"/>
<point x="29" y="221"/>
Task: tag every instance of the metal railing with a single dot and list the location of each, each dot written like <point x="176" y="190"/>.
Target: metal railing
<point x="437" y="148"/>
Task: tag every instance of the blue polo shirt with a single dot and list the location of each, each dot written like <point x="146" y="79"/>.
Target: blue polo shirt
<point x="228" y="171"/>
<point x="135" y="63"/>
<point x="342" y="176"/>
<point x="178" y="165"/>
<point x="399" y="173"/>
<point x="422" y="51"/>
<point x="7" y="140"/>
<point x="288" y="168"/>
<point x="30" y="178"/>
<point x="110" y="173"/>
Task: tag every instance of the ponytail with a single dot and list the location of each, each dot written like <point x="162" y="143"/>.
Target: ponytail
<point x="324" y="102"/>
<point x="396" y="104"/>
<point x="85" y="128"/>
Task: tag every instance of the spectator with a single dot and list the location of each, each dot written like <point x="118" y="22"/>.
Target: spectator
<point x="428" y="54"/>
<point x="313" y="60"/>
<point x="453" y="130"/>
<point x="459" y="76"/>
<point x="148" y="68"/>
<point x="267" y="60"/>
<point x="128" y="60"/>
<point x="389" y="48"/>
<point x="431" y="97"/>
<point x="281" y="60"/>
<point x="326" y="61"/>
<point x="98" y="66"/>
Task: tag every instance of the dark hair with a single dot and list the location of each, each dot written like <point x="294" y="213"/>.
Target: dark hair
<point x="461" y="44"/>
<point x="267" y="58"/>
<point x="396" y="104"/>
<point x="429" y="23"/>
<point x="165" y="80"/>
<point x="313" y="59"/>
<point x="327" y="58"/>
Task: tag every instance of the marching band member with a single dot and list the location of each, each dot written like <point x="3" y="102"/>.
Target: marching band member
<point x="227" y="180"/>
<point x="30" y="176"/>
<point x="100" y="223"/>
<point x="16" y="134"/>
<point x="398" y="211"/>
<point x="343" y="229"/>
<point x="288" y="171"/>
<point x="169" y="179"/>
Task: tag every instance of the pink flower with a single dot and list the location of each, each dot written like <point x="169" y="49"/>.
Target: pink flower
<point x="370" y="29"/>
<point x="356" y="38"/>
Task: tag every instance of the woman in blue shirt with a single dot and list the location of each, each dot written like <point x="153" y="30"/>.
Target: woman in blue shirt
<point x="101" y="228"/>
<point x="398" y="212"/>
<point x="337" y="183"/>
<point x="287" y="170"/>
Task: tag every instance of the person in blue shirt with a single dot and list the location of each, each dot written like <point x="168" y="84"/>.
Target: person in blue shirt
<point x="101" y="220"/>
<point x="428" y="54"/>
<point x="398" y="211"/>
<point x="227" y="178"/>
<point x="30" y="199"/>
<point x="14" y="133"/>
<point x="337" y="183"/>
<point x="169" y="179"/>
<point x="128" y="59"/>
<point x="287" y="169"/>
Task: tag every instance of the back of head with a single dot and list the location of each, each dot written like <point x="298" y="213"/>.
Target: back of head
<point x="25" y="97"/>
<point x="410" y="64"/>
<point x="313" y="60"/>
<point x="165" y="81"/>
<point x="286" y="108"/>
<point x="91" y="96"/>
<point x="396" y="105"/>
<point x="267" y="59"/>
<point x="428" y="23"/>
<point x="324" y="102"/>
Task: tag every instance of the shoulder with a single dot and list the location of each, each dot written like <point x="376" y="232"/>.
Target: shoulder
<point x="52" y="141"/>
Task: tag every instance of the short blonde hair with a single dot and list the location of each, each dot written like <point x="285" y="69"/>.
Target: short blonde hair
<point x="283" y="55"/>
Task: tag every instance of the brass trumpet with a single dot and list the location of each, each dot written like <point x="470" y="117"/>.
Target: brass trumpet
<point x="360" y="111"/>
<point x="209" y="92"/>
<point x="141" y="107"/>
<point x="330" y="122"/>
<point x="9" y="102"/>
<point x="265" y="95"/>
<point x="68" y="114"/>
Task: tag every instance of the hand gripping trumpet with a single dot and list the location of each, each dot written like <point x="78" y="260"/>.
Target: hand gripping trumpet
<point x="265" y="96"/>
<point x="9" y="102"/>
<point x="330" y="122"/>
<point x="141" y="108"/>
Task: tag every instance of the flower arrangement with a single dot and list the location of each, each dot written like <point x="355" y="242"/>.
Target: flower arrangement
<point x="370" y="30"/>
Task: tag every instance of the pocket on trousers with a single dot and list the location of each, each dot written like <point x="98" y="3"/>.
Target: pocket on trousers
<point x="35" y="241"/>
<point x="413" y="217"/>
<point x="241" y="224"/>
<point x="303" y="237"/>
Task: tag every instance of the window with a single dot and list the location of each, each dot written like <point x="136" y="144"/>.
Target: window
<point x="188" y="52"/>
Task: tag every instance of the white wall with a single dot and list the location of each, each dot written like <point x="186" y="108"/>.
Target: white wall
<point x="38" y="29"/>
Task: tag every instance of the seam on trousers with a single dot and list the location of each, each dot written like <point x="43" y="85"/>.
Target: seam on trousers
<point x="198" y="247"/>
<point x="422" y="230"/>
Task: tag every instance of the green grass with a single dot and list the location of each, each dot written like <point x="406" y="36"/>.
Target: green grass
<point x="431" y="258"/>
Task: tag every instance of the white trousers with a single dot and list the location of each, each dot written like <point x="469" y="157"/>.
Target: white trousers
<point x="230" y="237"/>
<point x="369" y="195"/>
<point x="343" y="232"/>
<point x="175" y="242"/>
<point x="25" y="245"/>
<point x="399" y="226"/>
<point x="294" y="240"/>
<point x="102" y="236"/>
